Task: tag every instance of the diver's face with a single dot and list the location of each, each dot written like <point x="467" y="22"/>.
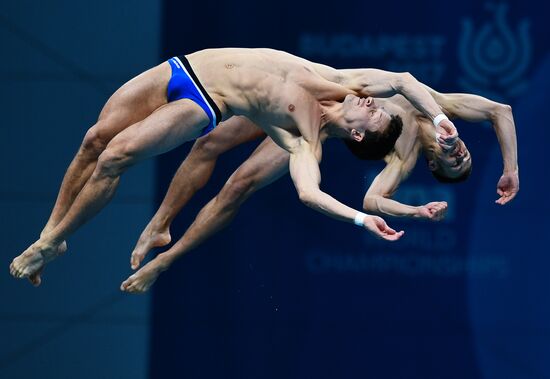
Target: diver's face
<point x="363" y="114"/>
<point x="452" y="163"/>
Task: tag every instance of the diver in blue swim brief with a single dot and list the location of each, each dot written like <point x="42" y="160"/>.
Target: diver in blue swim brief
<point x="293" y="100"/>
<point x="184" y="84"/>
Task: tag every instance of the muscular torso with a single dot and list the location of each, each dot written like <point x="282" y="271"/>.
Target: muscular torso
<point x="271" y="87"/>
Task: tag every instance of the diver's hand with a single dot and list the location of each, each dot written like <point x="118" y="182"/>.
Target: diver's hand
<point x="507" y="187"/>
<point x="447" y="135"/>
<point x="434" y="211"/>
<point x="377" y="226"/>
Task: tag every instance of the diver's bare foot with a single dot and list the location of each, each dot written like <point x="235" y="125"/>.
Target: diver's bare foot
<point x="32" y="260"/>
<point x="150" y="238"/>
<point x="143" y="279"/>
<point x="36" y="278"/>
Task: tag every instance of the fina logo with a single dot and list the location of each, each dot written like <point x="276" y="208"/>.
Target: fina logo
<point x="494" y="60"/>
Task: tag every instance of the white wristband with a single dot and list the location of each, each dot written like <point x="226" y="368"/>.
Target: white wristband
<point x="359" y="219"/>
<point x="440" y="117"/>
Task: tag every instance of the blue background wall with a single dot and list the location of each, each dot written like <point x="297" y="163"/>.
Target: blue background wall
<point x="296" y="295"/>
<point x="299" y="295"/>
<point x="60" y="61"/>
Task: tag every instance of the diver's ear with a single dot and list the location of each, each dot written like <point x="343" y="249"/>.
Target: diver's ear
<point x="432" y="164"/>
<point x="356" y="135"/>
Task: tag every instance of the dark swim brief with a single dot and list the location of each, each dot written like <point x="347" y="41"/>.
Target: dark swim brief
<point x="184" y="84"/>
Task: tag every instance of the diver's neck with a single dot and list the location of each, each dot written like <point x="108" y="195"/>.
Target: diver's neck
<point x="427" y="137"/>
<point x="333" y="124"/>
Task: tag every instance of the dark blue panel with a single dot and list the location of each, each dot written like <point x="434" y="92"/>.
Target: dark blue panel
<point x="286" y="292"/>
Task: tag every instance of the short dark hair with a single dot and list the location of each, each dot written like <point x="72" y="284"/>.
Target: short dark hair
<point x="376" y="145"/>
<point x="445" y="179"/>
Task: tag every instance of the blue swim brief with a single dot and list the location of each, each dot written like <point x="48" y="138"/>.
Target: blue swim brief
<point x="184" y="84"/>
